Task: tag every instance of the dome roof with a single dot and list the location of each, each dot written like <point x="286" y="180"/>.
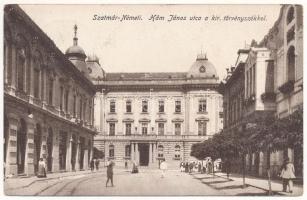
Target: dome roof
<point x="202" y="68"/>
<point x="92" y="58"/>
<point x="75" y="49"/>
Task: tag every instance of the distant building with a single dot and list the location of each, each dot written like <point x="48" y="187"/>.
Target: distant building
<point x="146" y="117"/>
<point x="48" y="101"/>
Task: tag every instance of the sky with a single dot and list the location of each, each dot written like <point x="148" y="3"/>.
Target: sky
<point x="155" y="46"/>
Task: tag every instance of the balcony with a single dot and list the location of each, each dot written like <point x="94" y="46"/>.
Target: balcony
<point x="37" y="102"/>
<point x="51" y="109"/>
<point x="287" y="87"/>
<point x="22" y="95"/>
<point x="268" y="97"/>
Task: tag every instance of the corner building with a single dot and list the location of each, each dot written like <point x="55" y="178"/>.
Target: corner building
<point x="146" y="117"/>
<point x="48" y="100"/>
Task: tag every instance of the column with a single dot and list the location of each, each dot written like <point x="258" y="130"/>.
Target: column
<point x="55" y="149"/>
<point x="11" y="154"/>
<point x="85" y="160"/>
<point x="154" y="148"/>
<point x="69" y="152"/>
<point x="29" y="161"/>
<point x="43" y="151"/>
<point x="137" y="154"/>
<point x="6" y="67"/>
<point x="91" y="149"/>
<point x="132" y="152"/>
<point x="150" y="153"/>
<point x="78" y="154"/>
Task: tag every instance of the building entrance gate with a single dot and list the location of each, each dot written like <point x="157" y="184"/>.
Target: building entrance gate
<point x="144" y="154"/>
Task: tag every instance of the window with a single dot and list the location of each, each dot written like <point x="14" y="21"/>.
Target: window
<point x="144" y="106"/>
<point x="112" y="107"/>
<point x="202" y="105"/>
<point x="177" y="129"/>
<point x="290" y="15"/>
<point x="111" y="151"/>
<point x="144" y="128"/>
<point x="21" y="64"/>
<point x="50" y="92"/>
<point x="61" y="97"/>
<point x="291" y="64"/>
<point x="112" y="129"/>
<point x="202" y="128"/>
<point x="160" y="128"/>
<point x="80" y="110"/>
<point x="84" y="109"/>
<point x="66" y="100"/>
<point x="161" y="106"/>
<point x="128" y="129"/>
<point x="177" y="152"/>
<point x="75" y="106"/>
<point x="36" y="83"/>
<point x="128" y="107"/>
<point x="160" y="151"/>
<point x="178" y="106"/>
<point x="127" y="151"/>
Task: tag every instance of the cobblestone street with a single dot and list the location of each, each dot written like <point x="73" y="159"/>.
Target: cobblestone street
<point x="147" y="182"/>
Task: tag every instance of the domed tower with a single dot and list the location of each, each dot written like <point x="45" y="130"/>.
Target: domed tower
<point x="202" y="68"/>
<point x="76" y="54"/>
<point x="95" y="70"/>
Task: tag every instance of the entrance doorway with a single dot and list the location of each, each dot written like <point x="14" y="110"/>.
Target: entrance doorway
<point x="144" y="154"/>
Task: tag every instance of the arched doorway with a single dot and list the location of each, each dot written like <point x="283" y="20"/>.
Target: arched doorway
<point x="37" y="145"/>
<point x="49" y="149"/>
<point x="21" y="146"/>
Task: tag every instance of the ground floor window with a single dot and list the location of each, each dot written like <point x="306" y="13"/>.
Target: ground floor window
<point x="202" y="128"/>
<point x="127" y="151"/>
<point x="160" y="151"/>
<point x="160" y="128"/>
<point x="111" y="151"/>
<point x="112" y="129"/>
<point x="177" y="152"/>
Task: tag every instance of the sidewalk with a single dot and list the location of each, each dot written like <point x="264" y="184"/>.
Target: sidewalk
<point x="21" y="182"/>
<point x="262" y="183"/>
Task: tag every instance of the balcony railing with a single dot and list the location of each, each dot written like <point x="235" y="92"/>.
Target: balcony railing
<point x="268" y="96"/>
<point x="287" y="87"/>
<point x="22" y="95"/>
<point x="154" y="137"/>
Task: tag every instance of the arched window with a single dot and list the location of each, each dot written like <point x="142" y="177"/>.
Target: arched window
<point x="37" y="62"/>
<point x="50" y="91"/>
<point x="127" y="151"/>
<point x="111" y="151"/>
<point x="290" y="15"/>
<point x="160" y="151"/>
<point x="291" y="64"/>
<point x="21" y="62"/>
<point x="177" y="152"/>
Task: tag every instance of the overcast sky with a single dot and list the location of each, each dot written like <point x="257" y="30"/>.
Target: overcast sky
<point x="160" y="46"/>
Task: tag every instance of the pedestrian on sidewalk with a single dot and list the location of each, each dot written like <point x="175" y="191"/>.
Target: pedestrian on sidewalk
<point x="97" y="164"/>
<point x="110" y="165"/>
<point x="186" y="167"/>
<point x="92" y="164"/>
<point x="134" y="168"/>
<point x="163" y="167"/>
<point x="287" y="174"/>
<point x="41" y="169"/>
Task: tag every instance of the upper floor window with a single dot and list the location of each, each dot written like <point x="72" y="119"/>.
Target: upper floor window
<point x="21" y="68"/>
<point x="177" y="152"/>
<point x="111" y="128"/>
<point x="177" y="106"/>
<point x="36" y="82"/>
<point x="202" y="128"/>
<point x="74" y="106"/>
<point x="202" y="106"/>
<point x="144" y="106"/>
<point x="128" y="129"/>
<point x="112" y="107"/>
<point x="66" y="100"/>
<point x="144" y="128"/>
<point x="80" y="109"/>
<point x="291" y="64"/>
<point x="290" y="15"/>
<point x="177" y="129"/>
<point x="50" y="91"/>
<point x="128" y="107"/>
<point x="161" y="106"/>
<point x="160" y="128"/>
<point x="61" y="97"/>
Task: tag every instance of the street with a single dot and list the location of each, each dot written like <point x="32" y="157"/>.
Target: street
<point x="147" y="182"/>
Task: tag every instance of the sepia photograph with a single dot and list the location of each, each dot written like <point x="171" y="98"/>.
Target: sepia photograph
<point x="153" y="100"/>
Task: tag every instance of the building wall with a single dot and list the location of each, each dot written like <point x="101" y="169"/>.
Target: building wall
<point x="30" y="61"/>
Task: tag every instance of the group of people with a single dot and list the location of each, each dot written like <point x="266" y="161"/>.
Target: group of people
<point x="190" y="167"/>
<point x="94" y="162"/>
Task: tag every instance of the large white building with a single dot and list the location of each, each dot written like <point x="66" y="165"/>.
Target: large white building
<point x="145" y="117"/>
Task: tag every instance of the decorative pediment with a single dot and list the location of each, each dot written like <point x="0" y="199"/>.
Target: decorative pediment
<point x="127" y="120"/>
<point x="112" y="120"/>
<point x="161" y="120"/>
<point x="202" y="119"/>
<point x="144" y="120"/>
<point x="177" y="120"/>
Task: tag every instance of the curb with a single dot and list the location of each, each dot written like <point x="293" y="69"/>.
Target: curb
<point x="46" y="179"/>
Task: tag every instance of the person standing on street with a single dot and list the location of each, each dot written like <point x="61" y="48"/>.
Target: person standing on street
<point x="110" y="165"/>
<point x="97" y="164"/>
<point x="92" y="164"/>
<point x="41" y="169"/>
<point x="163" y="167"/>
<point x="287" y="174"/>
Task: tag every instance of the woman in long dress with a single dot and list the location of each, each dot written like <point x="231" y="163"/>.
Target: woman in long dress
<point x="41" y="168"/>
<point x="287" y="174"/>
